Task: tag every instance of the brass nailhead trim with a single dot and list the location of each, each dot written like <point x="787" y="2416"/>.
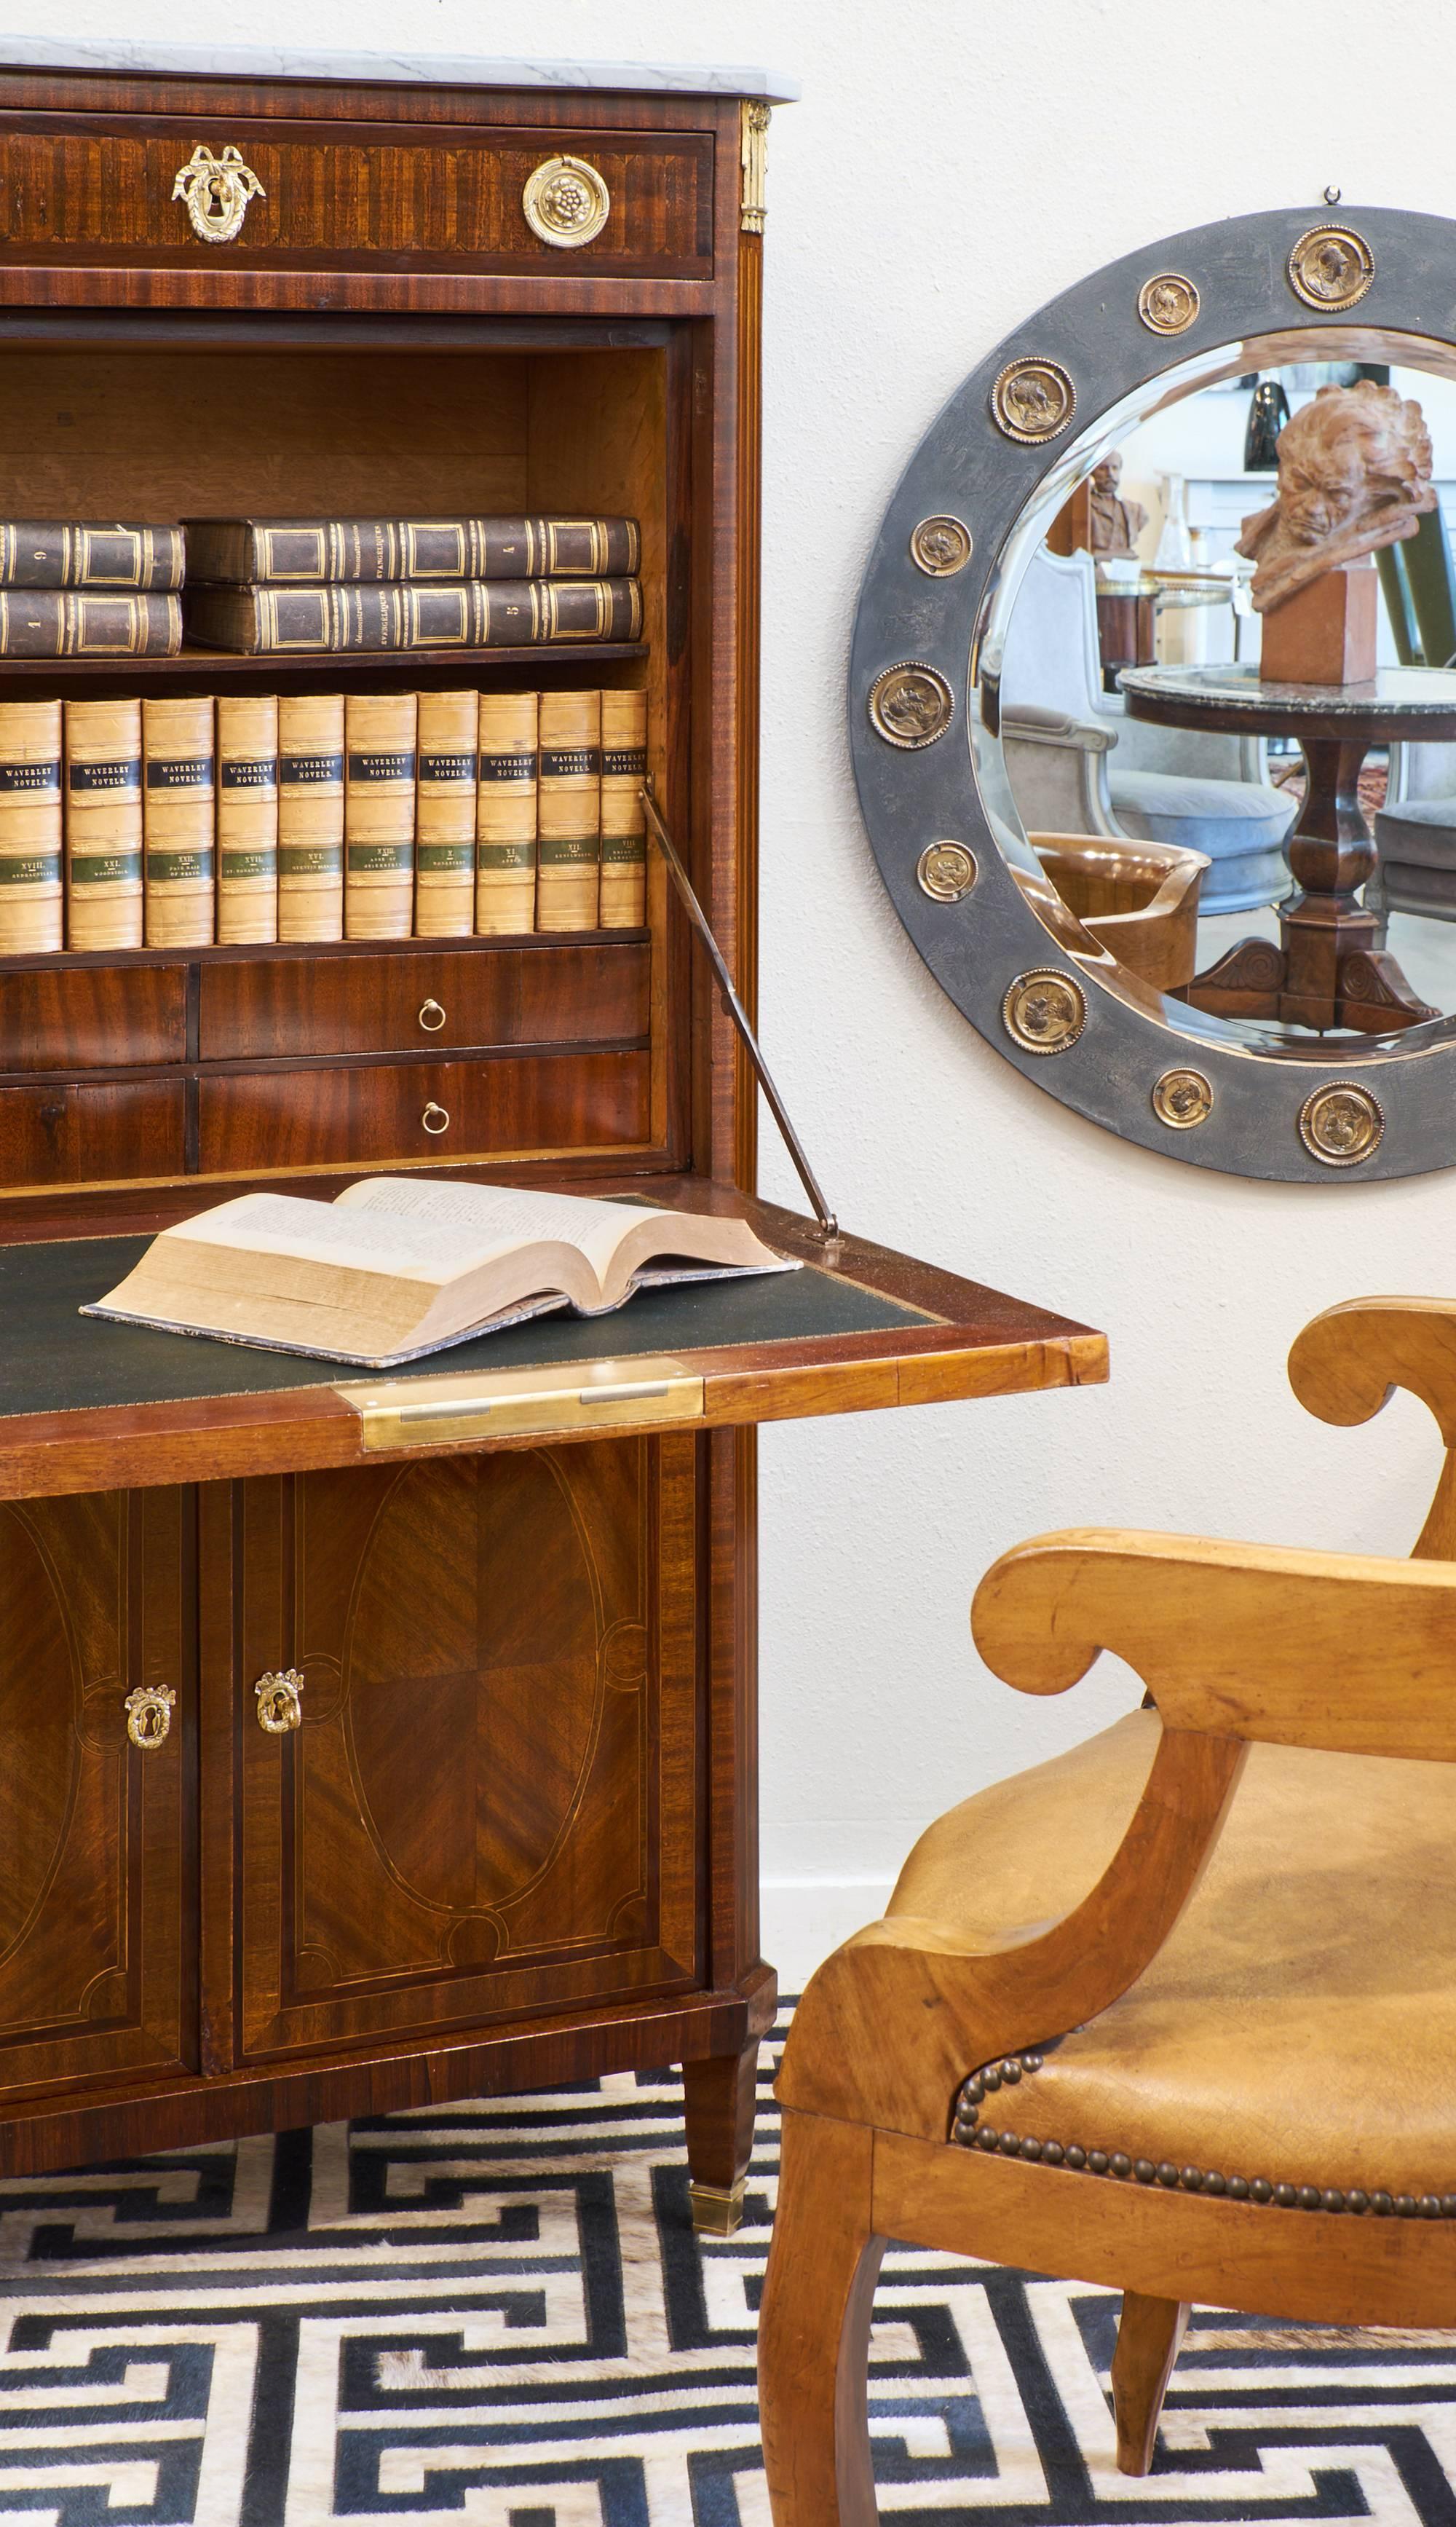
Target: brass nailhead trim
<point x="969" y="2132"/>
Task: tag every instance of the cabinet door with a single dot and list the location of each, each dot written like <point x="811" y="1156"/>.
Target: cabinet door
<point x="97" y="1887"/>
<point x="488" y="1806"/>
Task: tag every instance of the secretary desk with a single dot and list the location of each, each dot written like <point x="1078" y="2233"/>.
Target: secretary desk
<point x="359" y="1753"/>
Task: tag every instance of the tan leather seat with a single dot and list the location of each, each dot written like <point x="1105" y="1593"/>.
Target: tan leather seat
<point x="1298" y="2026"/>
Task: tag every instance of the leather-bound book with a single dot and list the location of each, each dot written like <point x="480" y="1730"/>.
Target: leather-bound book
<point x="179" y="820"/>
<point x="103" y="824"/>
<point x="68" y="552"/>
<point x="247" y="818"/>
<point x="88" y="623"/>
<point x="380" y="739"/>
<point x="311" y="816"/>
<point x="506" y="815"/>
<point x="569" y="812"/>
<point x="456" y="614"/>
<point x="624" y="888"/>
<point x="32" y="898"/>
<point x="323" y="552"/>
<point x="445" y="815"/>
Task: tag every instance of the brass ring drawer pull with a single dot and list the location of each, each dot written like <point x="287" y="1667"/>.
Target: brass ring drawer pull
<point x="217" y="192"/>
<point x="434" y="1118"/>
<point x="149" y="1715"/>
<point x="565" y="201"/>
<point x="279" y="1706"/>
<point x="431" y="1018"/>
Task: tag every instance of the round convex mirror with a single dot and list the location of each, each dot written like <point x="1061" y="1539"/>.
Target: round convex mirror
<point x="1185" y="855"/>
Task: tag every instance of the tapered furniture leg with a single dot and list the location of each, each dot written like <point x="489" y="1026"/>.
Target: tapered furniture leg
<point x="814" y="2331"/>
<point x="721" y="2095"/>
<point x="1148" y="2337"/>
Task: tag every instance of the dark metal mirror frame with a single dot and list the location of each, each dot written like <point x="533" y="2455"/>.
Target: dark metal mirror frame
<point x="927" y="759"/>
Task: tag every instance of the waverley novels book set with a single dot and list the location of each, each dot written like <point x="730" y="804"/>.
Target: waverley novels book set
<point x="247" y="818"/>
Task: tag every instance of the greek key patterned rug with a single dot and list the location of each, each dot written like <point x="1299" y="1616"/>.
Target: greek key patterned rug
<point x="498" y="2316"/>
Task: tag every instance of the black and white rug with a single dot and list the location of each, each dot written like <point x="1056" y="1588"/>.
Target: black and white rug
<point x="498" y="2316"/>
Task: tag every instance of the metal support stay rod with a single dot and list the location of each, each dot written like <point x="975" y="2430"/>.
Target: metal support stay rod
<point x="740" y="1015"/>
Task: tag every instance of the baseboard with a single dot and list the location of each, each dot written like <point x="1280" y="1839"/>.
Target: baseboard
<point x="805" y="1918"/>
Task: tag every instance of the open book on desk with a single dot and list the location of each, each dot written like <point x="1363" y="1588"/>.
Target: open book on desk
<point x="400" y="1267"/>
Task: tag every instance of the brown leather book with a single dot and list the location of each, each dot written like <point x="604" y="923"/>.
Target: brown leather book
<point x="311" y="816"/>
<point x="31" y="893"/>
<point x="445" y="815"/>
<point x="247" y="818"/>
<point x="506" y="815"/>
<point x="569" y="812"/>
<point x="624" y="892"/>
<point x="103" y="824"/>
<point x="88" y="623"/>
<point x="457" y="614"/>
<point x="65" y="552"/>
<point x="180" y="795"/>
<point x="379" y="743"/>
<point x="324" y="552"/>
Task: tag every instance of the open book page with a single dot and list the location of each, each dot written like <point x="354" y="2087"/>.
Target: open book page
<point x="501" y="1219"/>
<point x="433" y="1248"/>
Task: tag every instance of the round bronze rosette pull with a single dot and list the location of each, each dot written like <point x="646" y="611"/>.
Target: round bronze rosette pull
<point x="1044" y="1010"/>
<point x="1340" y="1124"/>
<point x="1169" y="302"/>
<point x="942" y="545"/>
<point x="149" y="1715"/>
<point x="910" y="704"/>
<point x="1182" y="1100"/>
<point x="1330" y="268"/>
<point x="565" y="201"/>
<point x="945" y="872"/>
<point x="278" y="1697"/>
<point x="1033" y="400"/>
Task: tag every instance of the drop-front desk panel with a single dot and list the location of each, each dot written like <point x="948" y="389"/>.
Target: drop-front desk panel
<point x="495" y="1828"/>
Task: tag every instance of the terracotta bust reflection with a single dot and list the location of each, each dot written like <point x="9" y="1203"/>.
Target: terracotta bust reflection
<point x="1115" y="523"/>
<point x="1354" y="474"/>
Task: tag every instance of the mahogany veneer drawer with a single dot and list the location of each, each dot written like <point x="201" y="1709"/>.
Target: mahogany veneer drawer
<point x="92" y="1017"/>
<point x="364" y="1114"/>
<point x="435" y="999"/>
<point x="91" y="1132"/>
<point x="350" y="195"/>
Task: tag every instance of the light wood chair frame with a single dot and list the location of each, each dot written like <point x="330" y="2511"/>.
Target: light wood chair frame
<point x="1236" y="1643"/>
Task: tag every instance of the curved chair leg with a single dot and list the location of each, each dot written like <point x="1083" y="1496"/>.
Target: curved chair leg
<point x="1148" y="2337"/>
<point x="814" y="2332"/>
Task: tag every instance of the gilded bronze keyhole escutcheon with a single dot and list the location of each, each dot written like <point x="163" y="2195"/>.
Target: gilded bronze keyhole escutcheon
<point x="279" y="1708"/>
<point x="148" y="1712"/>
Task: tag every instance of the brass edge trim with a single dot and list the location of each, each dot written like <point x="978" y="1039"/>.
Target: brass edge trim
<point x="587" y="1395"/>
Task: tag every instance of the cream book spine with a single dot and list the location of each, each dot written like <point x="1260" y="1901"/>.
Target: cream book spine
<point x="447" y="746"/>
<point x="506" y="815"/>
<point x="179" y="805"/>
<point x="379" y="740"/>
<point x="569" y="812"/>
<point x="103" y="824"/>
<point x="624" y="888"/>
<point x="247" y="818"/>
<point x="32" y="893"/>
<point x="311" y="816"/>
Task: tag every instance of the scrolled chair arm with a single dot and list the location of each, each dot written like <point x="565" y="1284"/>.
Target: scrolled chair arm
<point x="1237" y="1642"/>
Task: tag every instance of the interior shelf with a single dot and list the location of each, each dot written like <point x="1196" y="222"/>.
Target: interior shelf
<point x="538" y="942"/>
<point x="286" y="671"/>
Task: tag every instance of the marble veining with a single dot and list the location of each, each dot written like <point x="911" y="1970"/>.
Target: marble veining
<point x="437" y="69"/>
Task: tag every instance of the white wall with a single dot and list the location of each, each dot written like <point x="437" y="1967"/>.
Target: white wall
<point x="950" y="167"/>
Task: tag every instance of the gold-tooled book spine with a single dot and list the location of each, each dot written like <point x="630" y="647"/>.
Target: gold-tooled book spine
<point x="88" y="623"/>
<point x="447" y="744"/>
<point x="379" y="742"/>
<point x="506" y="815"/>
<point x="311" y="816"/>
<point x="65" y="552"/>
<point x="569" y="812"/>
<point x="624" y="888"/>
<point x="103" y="824"/>
<point x="179" y="798"/>
<point x="247" y="818"/>
<point x="32" y="897"/>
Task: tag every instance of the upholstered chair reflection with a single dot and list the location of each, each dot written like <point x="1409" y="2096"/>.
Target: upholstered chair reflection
<point x="1175" y="2013"/>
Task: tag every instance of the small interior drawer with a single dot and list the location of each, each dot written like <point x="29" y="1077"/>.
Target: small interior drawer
<point x="92" y="1017"/>
<point x="361" y="1113"/>
<point x="430" y="1000"/>
<point x="92" y="1132"/>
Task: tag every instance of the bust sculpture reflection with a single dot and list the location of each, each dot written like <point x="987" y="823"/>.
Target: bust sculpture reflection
<point x="1354" y="474"/>
<point x="1115" y="523"/>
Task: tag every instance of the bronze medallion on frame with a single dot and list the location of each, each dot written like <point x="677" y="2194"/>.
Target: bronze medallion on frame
<point x="1182" y="1100"/>
<point x="1330" y="268"/>
<point x="1169" y="302"/>
<point x="946" y="871"/>
<point x="940" y="546"/>
<point x="1044" y="1010"/>
<point x="1340" y="1124"/>
<point x="1033" y="400"/>
<point x="910" y="704"/>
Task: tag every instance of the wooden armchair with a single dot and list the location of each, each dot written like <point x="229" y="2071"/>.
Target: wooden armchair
<point x="1175" y="2013"/>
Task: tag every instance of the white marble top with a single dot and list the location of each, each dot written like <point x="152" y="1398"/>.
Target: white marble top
<point x="425" y="70"/>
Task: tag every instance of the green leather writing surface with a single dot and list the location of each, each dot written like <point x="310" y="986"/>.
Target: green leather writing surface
<point x="54" y="1360"/>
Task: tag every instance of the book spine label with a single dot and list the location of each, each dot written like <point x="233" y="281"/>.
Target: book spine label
<point x="58" y="553"/>
<point x="103" y="813"/>
<point x="180" y="810"/>
<point x="311" y="816"/>
<point x="381" y="743"/>
<point x="447" y="739"/>
<point x="624" y="888"/>
<point x="569" y="812"/>
<point x="33" y="913"/>
<point x="247" y="818"/>
<point x="82" y="623"/>
<point x="505" y="814"/>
